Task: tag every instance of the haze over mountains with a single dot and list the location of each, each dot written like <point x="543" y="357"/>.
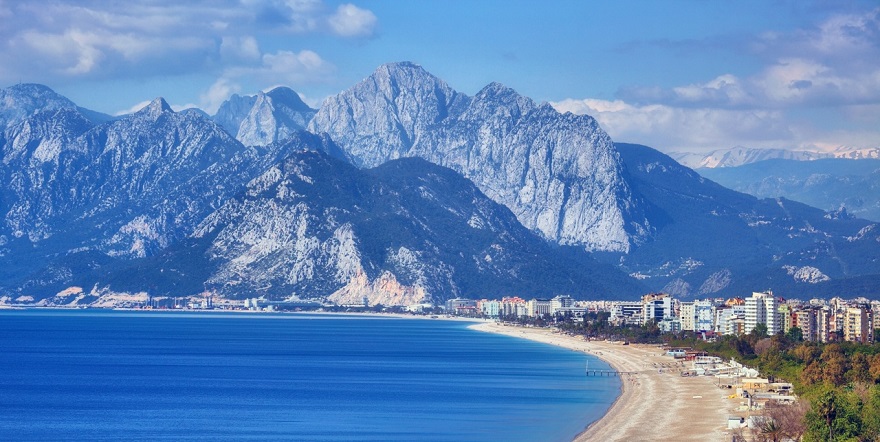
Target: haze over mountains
<point x="272" y="198"/>
<point x="740" y="156"/>
<point x="830" y="184"/>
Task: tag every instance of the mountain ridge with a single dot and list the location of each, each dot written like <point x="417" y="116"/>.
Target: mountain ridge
<point x="409" y="170"/>
<point x="511" y="147"/>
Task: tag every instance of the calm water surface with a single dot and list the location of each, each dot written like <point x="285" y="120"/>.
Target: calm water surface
<point x="107" y="375"/>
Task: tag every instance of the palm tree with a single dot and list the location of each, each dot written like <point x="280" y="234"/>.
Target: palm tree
<point x="770" y="430"/>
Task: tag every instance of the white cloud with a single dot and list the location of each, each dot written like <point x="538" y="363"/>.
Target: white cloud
<point x="701" y="129"/>
<point x="680" y="128"/>
<point x="243" y="48"/>
<point x="93" y="39"/>
<point x="814" y="83"/>
<point x="284" y="67"/>
<point x="219" y="92"/>
<point x="351" y="21"/>
<point x="132" y="109"/>
<point x="278" y="68"/>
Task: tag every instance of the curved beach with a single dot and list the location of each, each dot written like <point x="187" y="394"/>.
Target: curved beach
<point x="656" y="403"/>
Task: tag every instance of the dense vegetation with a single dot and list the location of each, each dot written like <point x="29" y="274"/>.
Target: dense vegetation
<point x="838" y="383"/>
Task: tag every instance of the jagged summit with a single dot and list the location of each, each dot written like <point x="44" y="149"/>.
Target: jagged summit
<point x="400" y="68"/>
<point x="560" y="175"/>
<point x="25" y="99"/>
<point x="36" y="90"/>
<point x="289" y="98"/>
<point x="156" y="108"/>
<point x="264" y="118"/>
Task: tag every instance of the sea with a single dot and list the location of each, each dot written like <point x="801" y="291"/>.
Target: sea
<point x="106" y="375"/>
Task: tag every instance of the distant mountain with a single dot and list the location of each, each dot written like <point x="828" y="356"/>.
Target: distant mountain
<point x="739" y="156"/>
<point x="24" y="100"/>
<point x="714" y="240"/>
<point x="122" y="189"/>
<point x="559" y="174"/>
<point x="170" y="203"/>
<point x="407" y="231"/>
<point x="829" y="184"/>
<point x="265" y="118"/>
<point x="313" y="226"/>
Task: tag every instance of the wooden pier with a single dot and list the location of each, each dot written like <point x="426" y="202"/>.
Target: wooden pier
<point x="609" y="372"/>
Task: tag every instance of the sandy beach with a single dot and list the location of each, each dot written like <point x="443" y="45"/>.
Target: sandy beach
<point x="657" y="403"/>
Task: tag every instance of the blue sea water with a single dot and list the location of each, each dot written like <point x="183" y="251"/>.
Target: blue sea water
<point x="111" y="375"/>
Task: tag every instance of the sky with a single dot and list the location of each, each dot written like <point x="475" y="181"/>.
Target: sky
<point x="675" y="75"/>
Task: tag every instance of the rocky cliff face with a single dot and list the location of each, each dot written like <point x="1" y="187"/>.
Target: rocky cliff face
<point x="558" y="173"/>
<point x="265" y="118"/>
<point x="406" y="232"/>
<point x="126" y="188"/>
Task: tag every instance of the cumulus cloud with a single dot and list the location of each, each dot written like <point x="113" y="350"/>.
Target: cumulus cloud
<point x="219" y="92"/>
<point x="834" y="63"/>
<point x="683" y="128"/>
<point x="277" y="68"/>
<point x="93" y="39"/>
<point x="813" y="81"/>
<point x="351" y="21"/>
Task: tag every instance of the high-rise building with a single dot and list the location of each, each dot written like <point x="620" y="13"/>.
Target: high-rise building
<point x="705" y="312"/>
<point x="656" y="307"/>
<point x="761" y="308"/>
<point x="688" y="316"/>
<point x="561" y="303"/>
<point x="858" y="324"/>
<point x="806" y="319"/>
<point x="539" y="307"/>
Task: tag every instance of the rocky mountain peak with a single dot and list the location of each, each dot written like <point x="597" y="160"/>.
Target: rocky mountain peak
<point x="156" y="108"/>
<point x="285" y="96"/>
<point x="559" y="175"/>
<point x="25" y="99"/>
<point x="264" y="118"/>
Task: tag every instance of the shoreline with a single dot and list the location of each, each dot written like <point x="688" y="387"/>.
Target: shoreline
<point x="655" y="403"/>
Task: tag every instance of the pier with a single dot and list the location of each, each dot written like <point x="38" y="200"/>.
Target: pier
<point x="609" y="372"/>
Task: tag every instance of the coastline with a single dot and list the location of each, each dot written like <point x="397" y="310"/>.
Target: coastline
<point x="656" y="403"/>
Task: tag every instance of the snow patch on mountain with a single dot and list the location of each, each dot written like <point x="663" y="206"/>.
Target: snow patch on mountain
<point x="716" y="282"/>
<point x="806" y="274"/>
<point x="738" y="156"/>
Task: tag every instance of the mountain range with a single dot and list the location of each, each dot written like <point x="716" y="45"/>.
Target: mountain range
<point x="829" y="184"/>
<point x="740" y="156"/>
<point x="399" y="189"/>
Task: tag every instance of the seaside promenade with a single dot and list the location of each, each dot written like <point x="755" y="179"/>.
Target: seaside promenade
<point x="656" y="404"/>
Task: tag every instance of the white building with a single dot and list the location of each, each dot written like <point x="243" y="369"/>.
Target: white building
<point x="539" y="307"/>
<point x="705" y="315"/>
<point x="656" y="307"/>
<point x="761" y="308"/>
<point x="688" y="315"/>
<point x="561" y="304"/>
<point x="626" y="312"/>
<point x="489" y="308"/>
<point x="726" y="319"/>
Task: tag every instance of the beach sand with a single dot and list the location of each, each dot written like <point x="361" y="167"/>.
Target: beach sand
<point x="654" y="405"/>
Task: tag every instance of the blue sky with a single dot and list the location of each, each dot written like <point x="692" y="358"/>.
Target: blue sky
<point x="676" y="75"/>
